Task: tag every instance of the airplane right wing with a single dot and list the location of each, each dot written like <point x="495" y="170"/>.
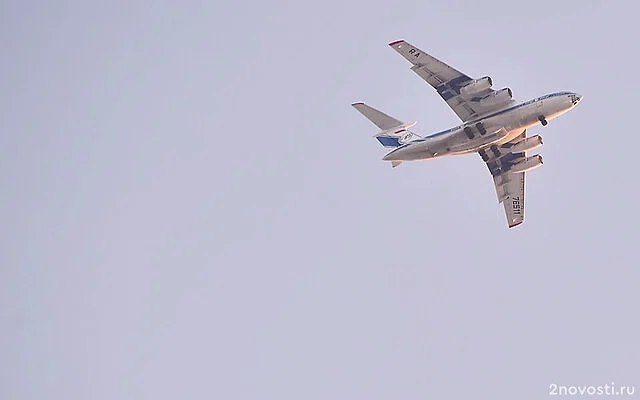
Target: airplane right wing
<point x="513" y="203"/>
<point x="449" y="84"/>
<point x="510" y="184"/>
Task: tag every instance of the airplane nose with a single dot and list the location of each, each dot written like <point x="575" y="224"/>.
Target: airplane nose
<point x="575" y="98"/>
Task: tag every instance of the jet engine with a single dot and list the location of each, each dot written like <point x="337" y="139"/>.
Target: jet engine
<point x="527" y="144"/>
<point x="497" y="98"/>
<point x="528" y="164"/>
<point x="476" y="86"/>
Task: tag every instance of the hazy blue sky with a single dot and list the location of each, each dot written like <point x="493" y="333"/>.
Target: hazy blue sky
<point x="191" y="208"/>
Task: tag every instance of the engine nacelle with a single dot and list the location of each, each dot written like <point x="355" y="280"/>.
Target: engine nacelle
<point x="497" y="98"/>
<point x="528" y="164"/>
<point x="476" y="86"/>
<point x="527" y="144"/>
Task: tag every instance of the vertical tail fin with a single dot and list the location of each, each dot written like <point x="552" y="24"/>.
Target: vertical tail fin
<point x="393" y="133"/>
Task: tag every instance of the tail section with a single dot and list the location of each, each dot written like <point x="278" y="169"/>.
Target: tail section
<point x="393" y="133"/>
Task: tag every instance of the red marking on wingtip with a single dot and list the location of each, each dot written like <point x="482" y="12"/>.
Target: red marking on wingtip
<point x="396" y="42"/>
<point x="516" y="224"/>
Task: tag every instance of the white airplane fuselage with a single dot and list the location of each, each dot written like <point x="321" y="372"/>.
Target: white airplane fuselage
<point x="494" y="128"/>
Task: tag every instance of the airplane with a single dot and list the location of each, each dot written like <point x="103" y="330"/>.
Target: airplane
<point x="494" y="125"/>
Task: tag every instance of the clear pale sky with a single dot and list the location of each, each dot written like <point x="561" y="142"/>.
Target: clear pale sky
<point x="191" y="208"/>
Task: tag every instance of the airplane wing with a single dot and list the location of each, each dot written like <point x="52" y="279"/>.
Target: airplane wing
<point x="448" y="81"/>
<point x="510" y="187"/>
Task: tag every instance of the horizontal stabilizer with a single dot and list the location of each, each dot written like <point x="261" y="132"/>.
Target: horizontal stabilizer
<point x="395" y="163"/>
<point x="380" y="119"/>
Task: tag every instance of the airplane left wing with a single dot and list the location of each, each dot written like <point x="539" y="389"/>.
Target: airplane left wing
<point x="510" y="186"/>
<point x="449" y="82"/>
